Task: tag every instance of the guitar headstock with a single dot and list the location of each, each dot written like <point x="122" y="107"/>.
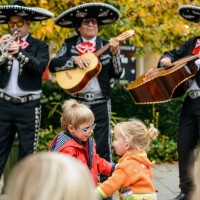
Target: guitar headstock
<point x="125" y="35"/>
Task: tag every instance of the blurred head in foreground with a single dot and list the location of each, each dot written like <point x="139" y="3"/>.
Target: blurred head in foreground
<point x="46" y="175"/>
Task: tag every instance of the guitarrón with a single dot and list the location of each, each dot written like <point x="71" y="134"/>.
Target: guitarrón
<point x="163" y="84"/>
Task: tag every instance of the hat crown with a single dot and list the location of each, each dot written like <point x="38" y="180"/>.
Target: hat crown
<point x="19" y="3"/>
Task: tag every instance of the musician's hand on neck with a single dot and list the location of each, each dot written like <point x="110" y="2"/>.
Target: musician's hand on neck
<point x="114" y="46"/>
<point x="165" y="62"/>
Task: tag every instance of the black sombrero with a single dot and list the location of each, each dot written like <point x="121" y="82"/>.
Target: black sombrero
<point x="190" y="13"/>
<point x="104" y="13"/>
<point x="19" y="8"/>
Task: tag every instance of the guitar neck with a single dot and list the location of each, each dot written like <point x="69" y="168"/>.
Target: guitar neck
<point x="184" y="60"/>
<point x="100" y="51"/>
<point x="121" y="37"/>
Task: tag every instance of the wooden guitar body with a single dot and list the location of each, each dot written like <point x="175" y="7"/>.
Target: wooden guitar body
<point x="76" y="79"/>
<point x="161" y="85"/>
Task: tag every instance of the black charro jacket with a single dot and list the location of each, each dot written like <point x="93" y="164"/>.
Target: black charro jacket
<point x="184" y="50"/>
<point x="32" y="60"/>
<point x="111" y="65"/>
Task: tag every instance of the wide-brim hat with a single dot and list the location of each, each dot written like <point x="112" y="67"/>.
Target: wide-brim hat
<point x="19" y="8"/>
<point x="104" y="13"/>
<point x="190" y="13"/>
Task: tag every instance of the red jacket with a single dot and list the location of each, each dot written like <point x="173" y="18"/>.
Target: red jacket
<point x="85" y="152"/>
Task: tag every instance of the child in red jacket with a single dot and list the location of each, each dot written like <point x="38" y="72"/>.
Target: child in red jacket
<point x="75" y="139"/>
<point x="132" y="175"/>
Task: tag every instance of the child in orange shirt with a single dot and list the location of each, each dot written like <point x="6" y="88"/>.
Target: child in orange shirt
<point x="132" y="175"/>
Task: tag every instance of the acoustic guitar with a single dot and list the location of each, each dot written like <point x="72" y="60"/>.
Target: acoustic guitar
<point x="76" y="79"/>
<point x="163" y="84"/>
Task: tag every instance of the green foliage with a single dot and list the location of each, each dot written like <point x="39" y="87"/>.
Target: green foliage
<point x="45" y="137"/>
<point x="169" y="116"/>
<point x="52" y="98"/>
<point x="163" y="149"/>
<point x="124" y="106"/>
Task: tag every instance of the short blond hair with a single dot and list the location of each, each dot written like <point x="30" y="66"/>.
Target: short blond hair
<point x="74" y="113"/>
<point x="50" y="176"/>
<point x="137" y="133"/>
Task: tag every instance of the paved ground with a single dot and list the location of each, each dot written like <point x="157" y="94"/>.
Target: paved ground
<point x="165" y="180"/>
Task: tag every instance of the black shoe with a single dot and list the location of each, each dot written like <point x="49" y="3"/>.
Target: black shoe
<point x="181" y="196"/>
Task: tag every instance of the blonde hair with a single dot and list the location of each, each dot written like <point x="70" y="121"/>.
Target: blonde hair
<point x="50" y="176"/>
<point x="137" y="133"/>
<point x="75" y="114"/>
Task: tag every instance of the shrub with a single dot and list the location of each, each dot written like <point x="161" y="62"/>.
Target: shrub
<point x="45" y="137"/>
<point x="163" y="149"/>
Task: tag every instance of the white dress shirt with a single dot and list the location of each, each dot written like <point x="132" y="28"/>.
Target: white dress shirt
<point x="93" y="85"/>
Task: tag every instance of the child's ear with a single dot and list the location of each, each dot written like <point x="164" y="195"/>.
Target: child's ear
<point x="71" y="128"/>
<point x="128" y="145"/>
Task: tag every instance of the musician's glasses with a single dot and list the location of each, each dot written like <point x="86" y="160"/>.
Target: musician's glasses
<point x="19" y="24"/>
<point x="88" y="20"/>
<point x="87" y="130"/>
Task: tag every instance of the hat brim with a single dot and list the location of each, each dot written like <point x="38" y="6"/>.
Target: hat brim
<point x="104" y="13"/>
<point x="34" y="13"/>
<point x="190" y="13"/>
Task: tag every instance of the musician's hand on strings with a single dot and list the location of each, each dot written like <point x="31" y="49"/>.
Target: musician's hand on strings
<point x="81" y="62"/>
<point x="114" y="46"/>
<point x="148" y="73"/>
<point x="165" y="62"/>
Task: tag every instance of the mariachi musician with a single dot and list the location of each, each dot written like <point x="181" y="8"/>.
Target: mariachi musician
<point x="86" y="19"/>
<point x="189" y="125"/>
<point x="23" y="60"/>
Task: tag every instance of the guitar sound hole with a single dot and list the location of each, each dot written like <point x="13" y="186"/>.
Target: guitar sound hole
<point x="68" y="75"/>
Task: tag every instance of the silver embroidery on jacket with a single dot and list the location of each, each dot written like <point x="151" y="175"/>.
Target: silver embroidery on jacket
<point x="62" y="51"/>
<point x="116" y="59"/>
<point x="37" y="126"/>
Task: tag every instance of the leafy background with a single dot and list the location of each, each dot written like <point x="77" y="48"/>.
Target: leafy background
<point x="157" y="24"/>
<point x="158" y="28"/>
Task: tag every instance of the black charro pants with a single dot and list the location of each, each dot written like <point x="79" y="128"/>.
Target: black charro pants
<point x="23" y="119"/>
<point x="188" y="137"/>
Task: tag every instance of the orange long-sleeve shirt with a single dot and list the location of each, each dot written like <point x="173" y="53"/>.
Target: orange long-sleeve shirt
<point x="132" y="175"/>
